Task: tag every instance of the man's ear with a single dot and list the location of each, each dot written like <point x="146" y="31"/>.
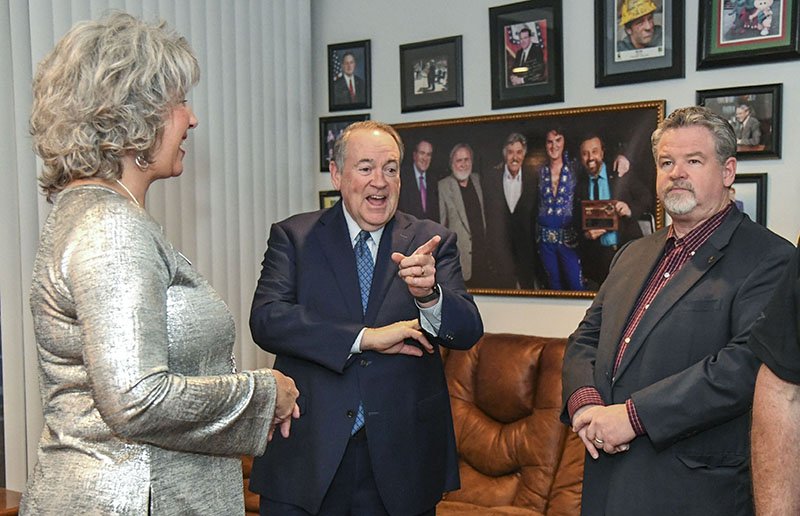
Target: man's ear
<point x="729" y="172"/>
<point x="336" y="175"/>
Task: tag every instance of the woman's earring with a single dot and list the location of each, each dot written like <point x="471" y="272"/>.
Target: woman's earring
<point x="141" y="162"/>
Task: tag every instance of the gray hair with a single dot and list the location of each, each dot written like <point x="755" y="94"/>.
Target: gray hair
<point x="515" y="138"/>
<point x="457" y="148"/>
<point x="693" y="116"/>
<point x="104" y="92"/>
<point x="340" y="146"/>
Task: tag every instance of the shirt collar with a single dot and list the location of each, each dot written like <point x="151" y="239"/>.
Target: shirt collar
<point x="698" y="236"/>
<point x="353" y="228"/>
<point x="508" y="177"/>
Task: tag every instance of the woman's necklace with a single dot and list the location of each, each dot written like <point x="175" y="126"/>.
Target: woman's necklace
<point x="120" y="183"/>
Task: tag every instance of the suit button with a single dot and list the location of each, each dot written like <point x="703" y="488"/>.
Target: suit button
<point x="351" y="414"/>
<point x="364" y="363"/>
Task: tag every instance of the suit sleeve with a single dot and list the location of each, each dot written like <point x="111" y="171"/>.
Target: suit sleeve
<point x="720" y="386"/>
<point x="461" y="322"/>
<point x="280" y="324"/>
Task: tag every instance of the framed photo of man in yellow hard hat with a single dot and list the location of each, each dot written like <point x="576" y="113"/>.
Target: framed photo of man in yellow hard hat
<point x="638" y="41"/>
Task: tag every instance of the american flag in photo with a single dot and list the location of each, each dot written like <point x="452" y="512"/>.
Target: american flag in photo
<point x="512" y="36"/>
<point x="336" y="61"/>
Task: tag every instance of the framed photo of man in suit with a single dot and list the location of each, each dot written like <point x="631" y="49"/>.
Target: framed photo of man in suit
<point x="754" y="112"/>
<point x="349" y="77"/>
<point x="512" y="188"/>
<point x="526" y="53"/>
<point x="431" y="74"/>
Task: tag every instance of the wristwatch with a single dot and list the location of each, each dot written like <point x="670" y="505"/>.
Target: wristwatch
<point x="430" y="297"/>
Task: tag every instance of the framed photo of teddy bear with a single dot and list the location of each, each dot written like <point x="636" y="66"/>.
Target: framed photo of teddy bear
<point x="742" y="32"/>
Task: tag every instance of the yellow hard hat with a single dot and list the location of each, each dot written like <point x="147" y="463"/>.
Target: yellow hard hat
<point x="632" y="9"/>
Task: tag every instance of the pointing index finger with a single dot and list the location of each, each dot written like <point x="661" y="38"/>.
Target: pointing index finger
<point x="429" y="246"/>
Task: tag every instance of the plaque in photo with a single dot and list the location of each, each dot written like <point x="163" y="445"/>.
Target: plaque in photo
<point x="600" y="215"/>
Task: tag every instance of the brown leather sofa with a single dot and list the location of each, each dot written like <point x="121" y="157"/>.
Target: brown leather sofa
<point x="516" y="458"/>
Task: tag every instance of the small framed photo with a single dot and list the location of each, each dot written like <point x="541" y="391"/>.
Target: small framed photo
<point x="755" y="114"/>
<point x="431" y="74"/>
<point x="330" y="128"/>
<point x="328" y="198"/>
<point x="349" y="78"/>
<point x="638" y="41"/>
<point x="737" y="32"/>
<point x="749" y="192"/>
<point x="526" y="53"/>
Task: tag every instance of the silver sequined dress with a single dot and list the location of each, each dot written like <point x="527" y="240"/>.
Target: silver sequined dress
<point x="141" y="411"/>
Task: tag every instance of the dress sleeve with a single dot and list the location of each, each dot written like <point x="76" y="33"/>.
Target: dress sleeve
<point x="118" y="270"/>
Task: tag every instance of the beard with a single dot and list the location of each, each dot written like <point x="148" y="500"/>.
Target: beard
<point x="680" y="203"/>
<point x="462" y="176"/>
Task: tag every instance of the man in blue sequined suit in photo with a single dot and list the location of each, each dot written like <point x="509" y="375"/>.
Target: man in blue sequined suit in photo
<point x="556" y="233"/>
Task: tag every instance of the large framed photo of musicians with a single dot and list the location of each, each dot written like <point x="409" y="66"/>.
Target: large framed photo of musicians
<point x="349" y="76"/>
<point x="638" y="41"/>
<point x="431" y="74"/>
<point x="755" y="115"/>
<point x="526" y="53"/>
<point x="540" y="201"/>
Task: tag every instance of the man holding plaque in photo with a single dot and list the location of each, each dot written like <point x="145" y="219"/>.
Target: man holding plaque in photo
<point x="606" y="225"/>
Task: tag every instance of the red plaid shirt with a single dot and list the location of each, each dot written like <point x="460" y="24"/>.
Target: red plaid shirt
<point x="677" y="252"/>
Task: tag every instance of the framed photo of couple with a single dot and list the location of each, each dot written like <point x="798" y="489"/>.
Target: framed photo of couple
<point x="742" y="32"/>
<point x="638" y="41"/>
<point x="526" y="53"/>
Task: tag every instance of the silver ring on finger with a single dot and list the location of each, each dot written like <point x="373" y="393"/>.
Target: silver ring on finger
<point x="599" y="441"/>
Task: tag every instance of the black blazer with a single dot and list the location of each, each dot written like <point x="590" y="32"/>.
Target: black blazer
<point x="410" y="201"/>
<point x="307" y="311"/>
<point x="687" y="369"/>
<point x="341" y="95"/>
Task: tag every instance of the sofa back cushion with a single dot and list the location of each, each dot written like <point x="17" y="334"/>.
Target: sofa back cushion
<point x="514" y="452"/>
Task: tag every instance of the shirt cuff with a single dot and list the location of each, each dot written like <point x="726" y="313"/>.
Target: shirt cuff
<point x="633" y="416"/>
<point x="431" y="318"/>
<point x="356" y="347"/>
<point x="581" y="397"/>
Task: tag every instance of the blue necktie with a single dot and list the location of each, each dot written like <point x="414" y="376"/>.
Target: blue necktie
<point x="365" y="267"/>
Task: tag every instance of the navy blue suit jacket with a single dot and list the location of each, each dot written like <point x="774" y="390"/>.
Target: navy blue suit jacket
<point x="307" y="310"/>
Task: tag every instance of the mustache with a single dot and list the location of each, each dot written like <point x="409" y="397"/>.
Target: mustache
<point x="683" y="184"/>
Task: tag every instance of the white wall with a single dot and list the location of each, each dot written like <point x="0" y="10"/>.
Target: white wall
<point x="389" y="24"/>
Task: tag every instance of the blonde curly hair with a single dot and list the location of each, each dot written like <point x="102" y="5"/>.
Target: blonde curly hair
<point x="103" y="92"/>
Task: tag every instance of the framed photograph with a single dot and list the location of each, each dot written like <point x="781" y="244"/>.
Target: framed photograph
<point x="755" y="114"/>
<point x="328" y="198"/>
<point x="349" y="77"/>
<point x="431" y="74"/>
<point x="526" y="53"/>
<point x="330" y="128"/>
<point x="637" y="41"/>
<point x="736" y="32"/>
<point x="501" y="250"/>
<point x="749" y="192"/>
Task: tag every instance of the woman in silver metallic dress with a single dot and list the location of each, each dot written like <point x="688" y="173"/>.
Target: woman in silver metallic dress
<point x="143" y="411"/>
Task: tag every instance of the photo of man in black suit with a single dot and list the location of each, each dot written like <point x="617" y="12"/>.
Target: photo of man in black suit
<point x="527" y="66"/>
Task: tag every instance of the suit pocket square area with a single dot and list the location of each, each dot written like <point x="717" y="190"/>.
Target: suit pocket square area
<point x="724" y="460"/>
<point x="699" y="305"/>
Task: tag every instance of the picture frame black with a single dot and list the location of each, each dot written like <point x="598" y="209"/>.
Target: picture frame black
<point x="732" y="35"/>
<point x="522" y="78"/>
<point x="749" y="192"/>
<point x="327" y="198"/>
<point x="619" y="31"/>
<point x="625" y="128"/>
<point x="340" y="97"/>
<point x="755" y="140"/>
<point x="330" y="127"/>
<point x="431" y="74"/>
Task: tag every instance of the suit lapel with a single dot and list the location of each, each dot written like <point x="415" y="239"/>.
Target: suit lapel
<point x="338" y="253"/>
<point x="708" y="255"/>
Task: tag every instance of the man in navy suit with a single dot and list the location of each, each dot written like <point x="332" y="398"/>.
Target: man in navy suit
<point x="375" y="435"/>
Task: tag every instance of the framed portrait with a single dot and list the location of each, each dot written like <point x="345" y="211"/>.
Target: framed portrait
<point x="328" y="198"/>
<point x="755" y="114"/>
<point x="330" y="128"/>
<point x="735" y="32"/>
<point x="431" y="74"/>
<point x="749" y="192"/>
<point x="349" y="77"/>
<point x="638" y="41"/>
<point x="526" y="53"/>
<point x="501" y="248"/>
